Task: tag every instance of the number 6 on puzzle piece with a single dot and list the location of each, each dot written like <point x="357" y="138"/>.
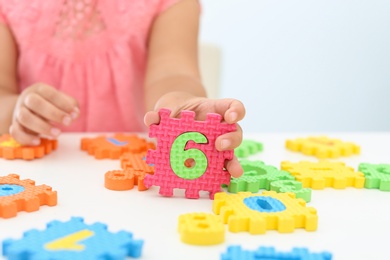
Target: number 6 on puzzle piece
<point x="186" y="156"/>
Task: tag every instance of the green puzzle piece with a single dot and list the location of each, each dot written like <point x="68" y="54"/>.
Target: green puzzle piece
<point x="248" y="148"/>
<point x="377" y="176"/>
<point x="257" y="176"/>
<point x="292" y="186"/>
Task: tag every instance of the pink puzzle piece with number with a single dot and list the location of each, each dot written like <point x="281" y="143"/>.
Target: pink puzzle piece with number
<point x="177" y="140"/>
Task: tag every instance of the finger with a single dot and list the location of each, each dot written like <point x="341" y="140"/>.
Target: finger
<point x="40" y="106"/>
<point x="151" y="117"/>
<point x="234" y="167"/>
<point x="230" y="140"/>
<point x="235" y="112"/>
<point x="34" y="123"/>
<point x="60" y="100"/>
<point x="22" y="136"/>
<point x="232" y="110"/>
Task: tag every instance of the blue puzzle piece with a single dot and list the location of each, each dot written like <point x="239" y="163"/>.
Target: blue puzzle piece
<point x="269" y="253"/>
<point x="72" y="240"/>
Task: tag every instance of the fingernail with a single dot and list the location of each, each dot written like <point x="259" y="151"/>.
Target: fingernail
<point x="233" y="116"/>
<point x="75" y="113"/>
<point x="225" y="144"/>
<point x="36" y="141"/>
<point x="55" y="131"/>
<point x="67" y="120"/>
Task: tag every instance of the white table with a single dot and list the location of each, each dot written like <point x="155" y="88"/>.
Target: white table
<point x="353" y="223"/>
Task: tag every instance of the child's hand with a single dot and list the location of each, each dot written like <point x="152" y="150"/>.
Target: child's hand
<point x="231" y="110"/>
<point x="38" y="109"/>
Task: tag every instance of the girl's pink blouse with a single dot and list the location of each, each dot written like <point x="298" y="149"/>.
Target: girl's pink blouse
<point x="93" y="50"/>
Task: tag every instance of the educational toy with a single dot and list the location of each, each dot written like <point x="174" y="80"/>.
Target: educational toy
<point x="293" y="186"/>
<point x="73" y="240"/>
<point x="10" y="149"/>
<point x="17" y="195"/>
<point x="119" y="179"/>
<point x="201" y="229"/>
<point x="136" y="161"/>
<point x="269" y="210"/>
<point x="248" y="148"/>
<point x="322" y="147"/>
<point x="186" y="156"/>
<point x="114" y="146"/>
<point x="269" y="253"/>
<point x="377" y="176"/>
<point x="257" y="175"/>
<point x="318" y="175"/>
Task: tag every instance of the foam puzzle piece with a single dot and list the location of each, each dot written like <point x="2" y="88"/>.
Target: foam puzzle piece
<point x="257" y="175"/>
<point x="201" y="229"/>
<point x="257" y="213"/>
<point x="114" y="146"/>
<point x="136" y="161"/>
<point x="73" y="239"/>
<point x="377" y="176"/>
<point x="119" y="179"/>
<point x="318" y="175"/>
<point x="248" y="148"/>
<point x="322" y="147"/>
<point x="183" y="139"/>
<point x="17" y="195"/>
<point x="10" y="149"/>
<point x="236" y="252"/>
<point x="293" y="186"/>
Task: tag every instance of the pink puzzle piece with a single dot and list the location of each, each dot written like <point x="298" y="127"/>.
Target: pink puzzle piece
<point x="186" y="156"/>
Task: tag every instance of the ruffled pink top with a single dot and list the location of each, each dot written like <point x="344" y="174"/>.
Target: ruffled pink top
<point x="93" y="50"/>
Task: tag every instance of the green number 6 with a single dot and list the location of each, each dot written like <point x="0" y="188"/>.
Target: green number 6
<point x="188" y="164"/>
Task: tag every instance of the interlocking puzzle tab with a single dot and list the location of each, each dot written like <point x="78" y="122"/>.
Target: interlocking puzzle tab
<point x="248" y="148"/>
<point x="257" y="175"/>
<point x="257" y="213"/>
<point x="73" y="240"/>
<point x="377" y="176"/>
<point x="201" y="229"/>
<point x="318" y="175"/>
<point x="10" y="149"/>
<point x="137" y="163"/>
<point x="17" y="195"/>
<point x="186" y="156"/>
<point x="322" y="147"/>
<point x="113" y="147"/>
<point x="298" y="253"/>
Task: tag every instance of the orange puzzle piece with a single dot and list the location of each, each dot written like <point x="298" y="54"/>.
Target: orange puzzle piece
<point x="17" y="195"/>
<point x="114" y="146"/>
<point x="10" y="149"/>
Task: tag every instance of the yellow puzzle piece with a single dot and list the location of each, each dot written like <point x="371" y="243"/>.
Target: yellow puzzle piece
<point x="201" y="229"/>
<point x="257" y="213"/>
<point x="322" y="147"/>
<point x="318" y="175"/>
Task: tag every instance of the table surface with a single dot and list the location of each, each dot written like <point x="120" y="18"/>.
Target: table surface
<point x="353" y="223"/>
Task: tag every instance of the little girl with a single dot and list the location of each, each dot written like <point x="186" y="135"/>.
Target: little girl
<point x="100" y="65"/>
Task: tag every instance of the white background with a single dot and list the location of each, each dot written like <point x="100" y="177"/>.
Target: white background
<point x="304" y="65"/>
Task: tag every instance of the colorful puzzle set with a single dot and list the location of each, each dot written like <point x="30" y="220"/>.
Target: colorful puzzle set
<point x="185" y="157"/>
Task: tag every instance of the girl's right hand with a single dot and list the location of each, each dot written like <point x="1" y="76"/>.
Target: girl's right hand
<point x="38" y="110"/>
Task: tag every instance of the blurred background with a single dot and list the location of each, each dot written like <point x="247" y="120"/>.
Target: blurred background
<point x="304" y="65"/>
